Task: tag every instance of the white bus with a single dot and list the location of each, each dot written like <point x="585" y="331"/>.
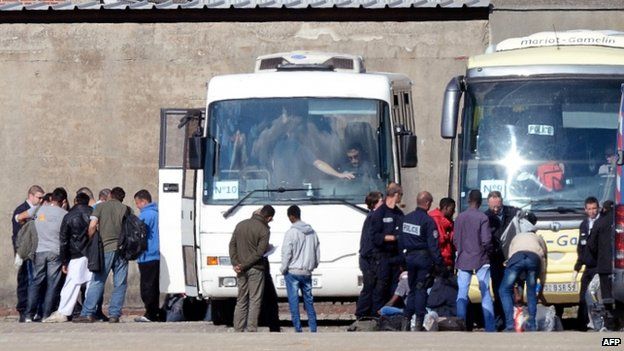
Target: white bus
<point x="279" y="136"/>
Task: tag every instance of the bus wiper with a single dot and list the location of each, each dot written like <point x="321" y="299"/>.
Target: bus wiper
<point x="340" y="200"/>
<point x="554" y="201"/>
<point x="229" y="211"/>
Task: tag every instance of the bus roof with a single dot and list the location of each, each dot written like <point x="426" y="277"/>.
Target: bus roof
<point x="305" y="84"/>
<point x="564" y="55"/>
<point x="578" y="47"/>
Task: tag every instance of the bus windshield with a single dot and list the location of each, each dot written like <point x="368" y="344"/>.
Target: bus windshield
<point x="545" y="144"/>
<point x="331" y="149"/>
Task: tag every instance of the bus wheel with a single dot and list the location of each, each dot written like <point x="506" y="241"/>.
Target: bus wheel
<point x="222" y="311"/>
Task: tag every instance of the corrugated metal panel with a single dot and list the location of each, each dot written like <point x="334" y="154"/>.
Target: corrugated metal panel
<point x="242" y="4"/>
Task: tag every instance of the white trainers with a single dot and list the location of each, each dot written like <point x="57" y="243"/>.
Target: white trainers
<point x="55" y="317"/>
<point x="142" y="319"/>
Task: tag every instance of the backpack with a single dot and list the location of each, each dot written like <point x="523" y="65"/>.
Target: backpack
<point x="133" y="237"/>
<point x="27" y="238"/>
<point x="551" y="175"/>
<point x="364" y="324"/>
<point x="393" y="323"/>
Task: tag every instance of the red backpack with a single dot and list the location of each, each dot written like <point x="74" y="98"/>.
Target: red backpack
<point x="551" y="175"/>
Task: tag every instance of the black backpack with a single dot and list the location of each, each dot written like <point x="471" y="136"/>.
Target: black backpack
<point x="133" y="237"/>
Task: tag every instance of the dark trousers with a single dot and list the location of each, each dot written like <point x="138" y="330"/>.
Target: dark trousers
<point x="24" y="277"/>
<point x="269" y="311"/>
<point x="418" y="267"/>
<point x="582" y="317"/>
<point x="150" y="290"/>
<point x="497" y="272"/>
<point x="386" y="275"/>
<point x="364" y="306"/>
<point x="606" y="290"/>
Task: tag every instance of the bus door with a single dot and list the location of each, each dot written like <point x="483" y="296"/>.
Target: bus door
<point x="177" y="190"/>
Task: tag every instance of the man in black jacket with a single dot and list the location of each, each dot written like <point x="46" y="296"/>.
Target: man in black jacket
<point x="73" y="239"/>
<point x="499" y="217"/>
<point x="584" y="258"/>
<point x="24" y="274"/>
<point x="600" y="245"/>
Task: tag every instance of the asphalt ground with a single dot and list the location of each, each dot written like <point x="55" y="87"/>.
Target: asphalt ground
<point x="129" y="335"/>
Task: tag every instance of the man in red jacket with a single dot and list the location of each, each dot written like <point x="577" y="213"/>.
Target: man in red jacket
<point x="443" y="217"/>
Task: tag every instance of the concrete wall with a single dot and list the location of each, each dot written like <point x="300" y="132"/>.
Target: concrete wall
<point x="516" y="18"/>
<point x="80" y="102"/>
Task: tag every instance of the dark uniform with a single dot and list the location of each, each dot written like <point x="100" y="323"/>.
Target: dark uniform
<point x="584" y="258"/>
<point x="419" y="243"/>
<point x="385" y="221"/>
<point x="600" y="245"/>
<point x="368" y="266"/>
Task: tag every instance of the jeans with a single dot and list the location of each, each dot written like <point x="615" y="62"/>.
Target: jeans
<point x="47" y="270"/>
<point x="294" y="283"/>
<point x="390" y="311"/>
<point x="463" y="283"/>
<point x="530" y="265"/>
<point x="95" y="292"/>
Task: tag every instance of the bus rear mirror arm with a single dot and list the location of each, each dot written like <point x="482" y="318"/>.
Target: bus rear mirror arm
<point x="450" y="107"/>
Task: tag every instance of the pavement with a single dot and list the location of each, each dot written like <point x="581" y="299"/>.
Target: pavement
<point x="129" y="335"/>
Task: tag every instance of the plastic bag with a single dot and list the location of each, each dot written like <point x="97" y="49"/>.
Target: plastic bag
<point x="431" y="321"/>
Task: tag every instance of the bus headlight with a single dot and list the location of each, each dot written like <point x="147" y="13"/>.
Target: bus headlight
<point x="227" y="282"/>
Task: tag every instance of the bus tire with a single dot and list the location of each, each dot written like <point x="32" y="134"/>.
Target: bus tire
<point x="222" y="311"/>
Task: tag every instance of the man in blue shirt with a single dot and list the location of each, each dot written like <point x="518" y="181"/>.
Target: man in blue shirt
<point x="149" y="261"/>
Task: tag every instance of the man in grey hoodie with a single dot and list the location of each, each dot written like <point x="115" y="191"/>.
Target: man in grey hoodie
<point x="300" y="256"/>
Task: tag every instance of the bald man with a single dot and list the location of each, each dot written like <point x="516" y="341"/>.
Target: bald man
<point x="418" y="241"/>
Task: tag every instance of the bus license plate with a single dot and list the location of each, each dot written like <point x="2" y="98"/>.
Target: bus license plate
<point x="560" y="288"/>
<point x="281" y="282"/>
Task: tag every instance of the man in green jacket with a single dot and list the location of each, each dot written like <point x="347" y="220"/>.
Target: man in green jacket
<point x="249" y="242"/>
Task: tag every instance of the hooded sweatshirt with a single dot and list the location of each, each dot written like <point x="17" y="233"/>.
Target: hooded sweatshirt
<point x="301" y="250"/>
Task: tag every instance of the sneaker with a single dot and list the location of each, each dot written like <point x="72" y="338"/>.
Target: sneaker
<point x="113" y="319"/>
<point x="84" y="319"/>
<point x="142" y="319"/>
<point x="28" y="320"/>
<point x="55" y="317"/>
<point x="22" y="318"/>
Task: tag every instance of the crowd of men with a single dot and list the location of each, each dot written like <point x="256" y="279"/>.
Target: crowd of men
<point x="53" y="269"/>
<point x="425" y="244"/>
<point x="400" y="257"/>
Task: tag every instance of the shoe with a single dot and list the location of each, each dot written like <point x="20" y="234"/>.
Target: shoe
<point x="28" y="320"/>
<point x="142" y="319"/>
<point x="55" y="317"/>
<point x="84" y="319"/>
<point x="101" y="318"/>
<point x="36" y="318"/>
<point x="22" y="318"/>
<point x="113" y="319"/>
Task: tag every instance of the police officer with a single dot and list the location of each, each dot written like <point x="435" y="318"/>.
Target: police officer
<point x="584" y="258"/>
<point x="384" y="231"/>
<point x="419" y="242"/>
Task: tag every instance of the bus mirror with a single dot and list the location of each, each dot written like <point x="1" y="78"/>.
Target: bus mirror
<point x="409" y="155"/>
<point x="450" y="107"/>
<point x="620" y="159"/>
<point x="196" y="152"/>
